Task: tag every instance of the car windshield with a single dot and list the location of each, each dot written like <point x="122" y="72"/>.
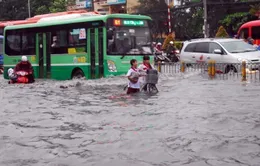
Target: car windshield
<point x="1" y="46"/>
<point x="130" y="41"/>
<point x="238" y="47"/>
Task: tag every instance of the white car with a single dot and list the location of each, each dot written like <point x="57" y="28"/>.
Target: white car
<point x="226" y="51"/>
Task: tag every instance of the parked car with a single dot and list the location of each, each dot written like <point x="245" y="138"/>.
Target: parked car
<point x="226" y="51"/>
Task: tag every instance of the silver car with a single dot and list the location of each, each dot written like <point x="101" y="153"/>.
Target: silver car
<point x="226" y="51"/>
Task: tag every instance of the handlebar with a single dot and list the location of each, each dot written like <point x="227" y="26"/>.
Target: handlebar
<point x="22" y="73"/>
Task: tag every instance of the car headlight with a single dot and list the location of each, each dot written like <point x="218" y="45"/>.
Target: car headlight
<point x="111" y="66"/>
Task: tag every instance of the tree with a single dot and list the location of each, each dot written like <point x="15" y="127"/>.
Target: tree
<point x="234" y="21"/>
<point x="255" y="10"/>
<point x="13" y="9"/>
<point x="157" y="9"/>
<point x="222" y="32"/>
<point x="18" y="9"/>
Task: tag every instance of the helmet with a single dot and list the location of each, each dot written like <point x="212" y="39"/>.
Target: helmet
<point x="171" y="42"/>
<point x="24" y="58"/>
<point x="10" y="71"/>
<point x="159" y="43"/>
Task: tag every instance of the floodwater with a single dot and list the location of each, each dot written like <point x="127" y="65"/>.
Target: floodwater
<point x="192" y="121"/>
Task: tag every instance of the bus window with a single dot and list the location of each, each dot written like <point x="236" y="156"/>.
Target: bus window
<point x="244" y="33"/>
<point x="59" y="42"/>
<point x="256" y="32"/>
<point x="20" y="43"/>
<point x="62" y="40"/>
<point x="77" y="37"/>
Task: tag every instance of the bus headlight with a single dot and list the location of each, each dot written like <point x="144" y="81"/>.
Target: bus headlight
<point x="111" y="66"/>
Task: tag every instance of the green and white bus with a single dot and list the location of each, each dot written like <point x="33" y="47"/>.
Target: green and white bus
<point x="79" y="45"/>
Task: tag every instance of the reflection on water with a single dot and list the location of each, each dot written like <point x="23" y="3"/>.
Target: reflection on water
<point x="192" y="121"/>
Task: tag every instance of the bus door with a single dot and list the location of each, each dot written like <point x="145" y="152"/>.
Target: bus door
<point x="96" y="53"/>
<point x="43" y="54"/>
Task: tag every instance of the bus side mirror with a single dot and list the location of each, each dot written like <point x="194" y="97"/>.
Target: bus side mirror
<point x="110" y="34"/>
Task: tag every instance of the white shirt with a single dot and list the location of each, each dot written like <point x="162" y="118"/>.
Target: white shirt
<point x="143" y="69"/>
<point x="131" y="84"/>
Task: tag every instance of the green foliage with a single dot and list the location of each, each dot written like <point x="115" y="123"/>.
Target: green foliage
<point x="235" y="20"/>
<point x="15" y="10"/>
<point x="222" y="32"/>
<point x="151" y="5"/>
<point x="254" y="9"/>
<point x="178" y="44"/>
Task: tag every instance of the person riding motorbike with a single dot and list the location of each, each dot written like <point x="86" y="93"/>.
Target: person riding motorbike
<point x="159" y="46"/>
<point x="12" y="76"/>
<point x="25" y="66"/>
<point x="171" y="52"/>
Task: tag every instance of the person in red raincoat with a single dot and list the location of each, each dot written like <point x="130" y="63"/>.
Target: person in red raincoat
<point x="25" y="66"/>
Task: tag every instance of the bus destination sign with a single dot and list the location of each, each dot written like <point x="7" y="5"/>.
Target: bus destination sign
<point x="119" y="22"/>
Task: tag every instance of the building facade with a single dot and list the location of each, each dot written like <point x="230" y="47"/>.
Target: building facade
<point x="108" y="6"/>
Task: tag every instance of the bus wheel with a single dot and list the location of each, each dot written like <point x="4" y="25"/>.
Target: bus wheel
<point x="77" y="74"/>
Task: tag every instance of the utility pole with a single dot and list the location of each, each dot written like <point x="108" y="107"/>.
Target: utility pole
<point x="29" y="9"/>
<point x="206" y="30"/>
<point x="169" y="18"/>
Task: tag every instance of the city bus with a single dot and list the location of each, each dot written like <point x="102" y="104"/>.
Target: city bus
<point x="250" y="29"/>
<point x="79" y="45"/>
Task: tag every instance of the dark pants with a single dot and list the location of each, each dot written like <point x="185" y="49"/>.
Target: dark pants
<point x="145" y="88"/>
<point x="132" y="90"/>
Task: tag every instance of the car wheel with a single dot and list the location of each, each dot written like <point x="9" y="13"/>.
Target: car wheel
<point x="230" y="69"/>
<point x="78" y="74"/>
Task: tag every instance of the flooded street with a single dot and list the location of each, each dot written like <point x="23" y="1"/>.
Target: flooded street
<point x="192" y="121"/>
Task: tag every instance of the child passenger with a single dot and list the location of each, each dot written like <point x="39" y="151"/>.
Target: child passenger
<point x="133" y="77"/>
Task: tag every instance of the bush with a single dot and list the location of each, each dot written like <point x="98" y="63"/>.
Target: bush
<point x="178" y="44"/>
<point x="166" y="42"/>
<point x="222" y="32"/>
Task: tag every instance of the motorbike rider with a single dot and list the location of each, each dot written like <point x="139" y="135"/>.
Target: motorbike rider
<point x="25" y="66"/>
<point x="159" y="46"/>
<point x="171" y="48"/>
<point x="171" y="52"/>
<point x="12" y="76"/>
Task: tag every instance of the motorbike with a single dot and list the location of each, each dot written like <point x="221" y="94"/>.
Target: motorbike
<point x="173" y="56"/>
<point x="21" y="77"/>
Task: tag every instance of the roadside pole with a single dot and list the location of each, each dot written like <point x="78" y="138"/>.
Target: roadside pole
<point x="29" y="8"/>
<point x="169" y="18"/>
<point x="206" y="31"/>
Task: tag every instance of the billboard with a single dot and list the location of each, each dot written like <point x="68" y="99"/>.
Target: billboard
<point x="115" y="2"/>
<point x="81" y="4"/>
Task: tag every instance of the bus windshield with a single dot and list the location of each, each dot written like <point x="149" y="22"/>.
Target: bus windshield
<point x="130" y="41"/>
